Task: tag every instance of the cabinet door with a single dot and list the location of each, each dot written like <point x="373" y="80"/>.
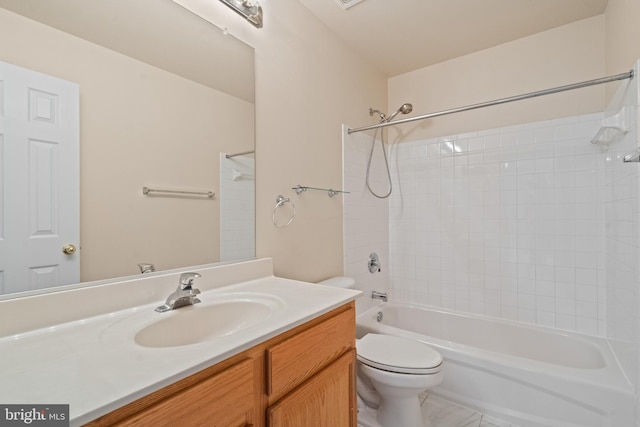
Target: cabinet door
<point x="222" y="400"/>
<point x="301" y="356"/>
<point x="327" y="399"/>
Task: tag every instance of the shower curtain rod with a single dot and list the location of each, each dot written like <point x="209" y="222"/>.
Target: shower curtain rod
<point x="229" y="156"/>
<point x="623" y="76"/>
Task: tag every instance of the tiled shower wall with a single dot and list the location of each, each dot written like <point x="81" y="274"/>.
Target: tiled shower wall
<point x="237" y="207"/>
<point x="623" y="234"/>
<point x="506" y="222"/>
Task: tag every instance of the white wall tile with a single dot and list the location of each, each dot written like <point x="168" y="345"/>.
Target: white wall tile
<point x="514" y="211"/>
<point x="237" y="207"/>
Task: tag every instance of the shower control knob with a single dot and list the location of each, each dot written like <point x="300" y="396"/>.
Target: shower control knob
<point x="373" y="263"/>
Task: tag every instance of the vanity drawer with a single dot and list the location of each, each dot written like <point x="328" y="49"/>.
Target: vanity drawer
<point x="298" y="358"/>
<point x="224" y="399"/>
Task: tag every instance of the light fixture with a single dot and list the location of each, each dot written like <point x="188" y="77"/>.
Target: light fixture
<point x="250" y="9"/>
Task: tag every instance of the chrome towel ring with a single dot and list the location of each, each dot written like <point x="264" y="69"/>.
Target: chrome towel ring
<point x="280" y="201"/>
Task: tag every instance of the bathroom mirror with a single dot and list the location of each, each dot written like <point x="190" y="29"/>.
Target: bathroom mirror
<point x="166" y="102"/>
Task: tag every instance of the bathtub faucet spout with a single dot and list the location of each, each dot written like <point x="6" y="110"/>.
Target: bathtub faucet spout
<point x="379" y="295"/>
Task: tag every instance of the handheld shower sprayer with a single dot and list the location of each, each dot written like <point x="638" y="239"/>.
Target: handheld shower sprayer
<point x="404" y="109"/>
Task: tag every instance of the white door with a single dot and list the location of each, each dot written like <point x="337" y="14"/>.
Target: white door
<point x="39" y="180"/>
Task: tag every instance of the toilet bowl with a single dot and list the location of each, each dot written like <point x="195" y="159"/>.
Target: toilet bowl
<point x="392" y="372"/>
<point x="399" y="369"/>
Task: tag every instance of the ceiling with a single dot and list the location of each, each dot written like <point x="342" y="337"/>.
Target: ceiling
<point x="398" y="36"/>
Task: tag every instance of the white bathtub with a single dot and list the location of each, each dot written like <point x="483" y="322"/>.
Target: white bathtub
<point x="527" y="375"/>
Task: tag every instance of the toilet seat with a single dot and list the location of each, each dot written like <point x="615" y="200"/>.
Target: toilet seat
<point x="397" y="354"/>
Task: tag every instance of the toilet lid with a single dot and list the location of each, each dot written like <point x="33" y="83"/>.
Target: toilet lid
<point x="397" y="354"/>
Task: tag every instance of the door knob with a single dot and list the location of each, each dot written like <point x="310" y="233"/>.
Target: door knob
<point x="69" y="249"/>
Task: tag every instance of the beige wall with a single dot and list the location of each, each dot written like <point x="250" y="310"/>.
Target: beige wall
<point x="622" y="37"/>
<point x="595" y="47"/>
<point x="155" y="129"/>
<point x="568" y="54"/>
<point x="307" y="84"/>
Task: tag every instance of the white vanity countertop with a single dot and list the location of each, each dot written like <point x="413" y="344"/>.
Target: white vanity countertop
<point x="95" y="365"/>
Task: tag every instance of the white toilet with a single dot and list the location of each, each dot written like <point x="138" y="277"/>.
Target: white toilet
<point x="392" y="372"/>
<point x="399" y="370"/>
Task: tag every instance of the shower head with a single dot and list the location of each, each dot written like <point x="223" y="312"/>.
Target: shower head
<point x="378" y="112"/>
<point x="404" y="109"/>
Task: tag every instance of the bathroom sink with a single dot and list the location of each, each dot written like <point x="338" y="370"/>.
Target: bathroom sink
<point x="207" y="321"/>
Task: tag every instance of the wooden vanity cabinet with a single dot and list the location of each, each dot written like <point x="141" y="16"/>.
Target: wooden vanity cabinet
<point x="326" y="399"/>
<point x="303" y="377"/>
<point x="310" y="376"/>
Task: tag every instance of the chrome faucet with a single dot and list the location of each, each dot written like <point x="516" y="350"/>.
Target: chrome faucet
<point x="379" y="295"/>
<point x="184" y="295"/>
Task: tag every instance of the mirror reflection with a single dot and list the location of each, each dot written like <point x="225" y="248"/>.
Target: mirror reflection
<point x="153" y="96"/>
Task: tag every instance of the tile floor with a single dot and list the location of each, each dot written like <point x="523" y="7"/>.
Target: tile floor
<point x="438" y="412"/>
